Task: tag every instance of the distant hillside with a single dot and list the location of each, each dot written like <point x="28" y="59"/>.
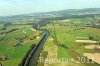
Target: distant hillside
<point x="63" y="14"/>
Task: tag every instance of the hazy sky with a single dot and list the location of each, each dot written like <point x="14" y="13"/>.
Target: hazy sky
<point x="14" y="7"/>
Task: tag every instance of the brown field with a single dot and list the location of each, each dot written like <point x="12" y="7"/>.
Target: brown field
<point x="95" y="57"/>
<point x="92" y="47"/>
<point x="86" y="41"/>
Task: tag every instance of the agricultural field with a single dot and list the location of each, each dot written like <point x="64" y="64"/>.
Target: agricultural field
<point x="37" y="37"/>
<point x="71" y="39"/>
<point x="15" y="42"/>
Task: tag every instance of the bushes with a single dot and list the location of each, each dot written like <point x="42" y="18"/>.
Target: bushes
<point x="7" y="24"/>
<point x="91" y="37"/>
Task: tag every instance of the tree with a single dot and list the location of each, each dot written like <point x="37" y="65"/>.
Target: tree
<point x="7" y="24"/>
<point x="91" y="37"/>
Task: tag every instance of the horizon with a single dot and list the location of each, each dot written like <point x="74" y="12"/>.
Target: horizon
<point x="45" y="12"/>
<point x="18" y="7"/>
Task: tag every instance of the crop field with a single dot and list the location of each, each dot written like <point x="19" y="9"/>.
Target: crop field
<point x="70" y="41"/>
<point x="49" y="32"/>
<point x="15" y="44"/>
<point x="33" y="34"/>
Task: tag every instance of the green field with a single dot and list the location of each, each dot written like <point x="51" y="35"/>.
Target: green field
<point x="66" y="35"/>
<point x="17" y="39"/>
<point x="11" y="47"/>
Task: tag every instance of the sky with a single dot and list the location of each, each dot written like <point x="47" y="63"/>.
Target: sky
<point x="16" y="7"/>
